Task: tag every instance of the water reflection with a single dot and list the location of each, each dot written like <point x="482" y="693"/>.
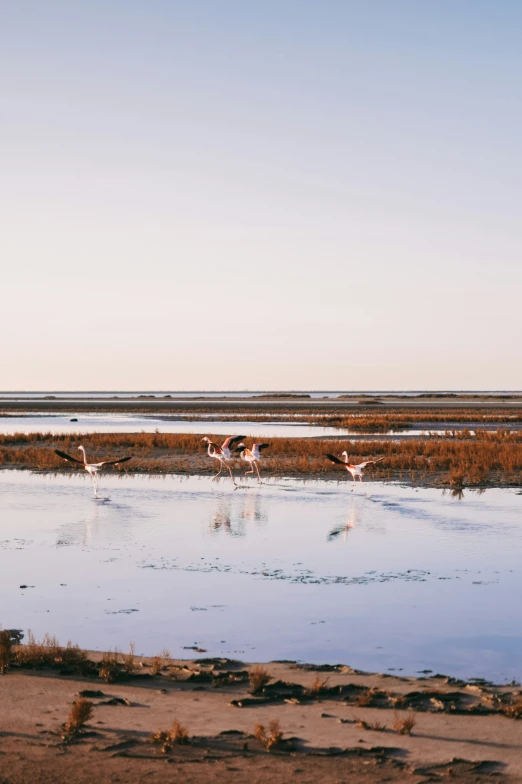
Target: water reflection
<point x="458" y="492"/>
<point x="354" y="516"/>
<point x="443" y="577"/>
<point x="106" y="521"/>
<point x="231" y="513"/>
<point x="221" y="518"/>
<point x="253" y="508"/>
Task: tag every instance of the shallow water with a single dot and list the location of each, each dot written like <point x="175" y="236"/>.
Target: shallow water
<point x="136" y="423"/>
<point x="62" y="424"/>
<point x="399" y="579"/>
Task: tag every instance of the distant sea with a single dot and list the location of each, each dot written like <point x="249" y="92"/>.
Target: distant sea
<point x="97" y="395"/>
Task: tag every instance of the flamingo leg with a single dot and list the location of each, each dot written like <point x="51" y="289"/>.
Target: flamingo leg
<point x="257" y="469"/>
<point x="220" y="470"/>
<point x="231" y="474"/>
<point x="251" y="469"/>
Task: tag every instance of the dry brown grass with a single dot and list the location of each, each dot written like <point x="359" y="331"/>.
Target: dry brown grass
<point x="129" y="660"/>
<point x="401" y="420"/>
<point x="367" y="698"/>
<point x="373" y="726"/>
<point x="270" y="737"/>
<point x="79" y="715"/>
<point x="110" y="666"/>
<point x="258" y="677"/>
<point x="159" y="662"/>
<point x="318" y="686"/>
<point x="177" y="735"/>
<point x="488" y="457"/>
<point x="403" y="724"/>
<point x="6" y="648"/>
<point x="514" y="710"/>
<point x="49" y="653"/>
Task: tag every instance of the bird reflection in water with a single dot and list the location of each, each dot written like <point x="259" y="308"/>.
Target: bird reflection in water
<point x="221" y="518"/>
<point x="81" y="532"/>
<point x="230" y="514"/>
<point x="252" y="508"/>
<point x="106" y="522"/>
<point x="454" y="492"/>
<point x="354" y="517"/>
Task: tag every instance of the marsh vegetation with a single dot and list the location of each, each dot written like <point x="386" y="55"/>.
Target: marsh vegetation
<point x="455" y="459"/>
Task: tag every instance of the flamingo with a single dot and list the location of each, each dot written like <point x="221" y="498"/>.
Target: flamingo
<point x="222" y="453"/>
<point x="91" y="468"/>
<point x="354" y="470"/>
<point x="251" y="456"/>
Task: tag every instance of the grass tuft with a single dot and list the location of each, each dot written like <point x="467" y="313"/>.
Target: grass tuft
<point x="79" y="715"/>
<point x="366" y="725"/>
<point x="403" y="725"/>
<point x="514" y="711"/>
<point x="318" y="686"/>
<point x="159" y="662"/>
<point x="258" y="677"/>
<point x="367" y="698"/>
<point x="129" y="659"/>
<point x="177" y="735"/>
<point x="6" y="647"/>
<point x="270" y="738"/>
<point x="110" y="666"/>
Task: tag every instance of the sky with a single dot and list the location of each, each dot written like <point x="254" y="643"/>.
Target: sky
<point x="275" y="194"/>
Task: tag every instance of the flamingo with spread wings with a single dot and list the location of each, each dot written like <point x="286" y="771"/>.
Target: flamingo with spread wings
<point x="354" y="470"/>
<point x="92" y="468"/>
<point x="222" y="453"/>
<point x="252" y="456"/>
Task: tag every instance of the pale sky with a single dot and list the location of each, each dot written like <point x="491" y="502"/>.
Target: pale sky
<point x="271" y="194"/>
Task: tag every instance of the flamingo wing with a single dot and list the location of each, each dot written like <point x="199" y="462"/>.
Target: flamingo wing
<point x="369" y="462"/>
<point x="115" y="462"/>
<point x="261" y="446"/>
<point x="228" y="442"/>
<point x="68" y="457"/>
<point x="334" y="459"/>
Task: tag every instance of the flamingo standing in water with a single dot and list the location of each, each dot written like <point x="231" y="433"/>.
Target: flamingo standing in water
<point x="91" y="468"/>
<point x="251" y="456"/>
<point x="354" y="470"/>
<point x="222" y="453"/>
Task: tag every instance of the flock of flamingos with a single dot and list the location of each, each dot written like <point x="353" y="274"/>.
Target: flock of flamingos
<point x="229" y="449"/>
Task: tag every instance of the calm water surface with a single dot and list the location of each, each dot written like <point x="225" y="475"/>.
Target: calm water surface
<point x="383" y="578"/>
<point x="123" y="394"/>
<point x="62" y="424"/>
<point x="135" y="423"/>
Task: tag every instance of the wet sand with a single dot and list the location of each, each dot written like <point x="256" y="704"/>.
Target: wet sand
<point x="460" y="731"/>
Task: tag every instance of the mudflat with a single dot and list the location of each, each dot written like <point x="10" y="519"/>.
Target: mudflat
<point x="258" y="404"/>
<point x="337" y="725"/>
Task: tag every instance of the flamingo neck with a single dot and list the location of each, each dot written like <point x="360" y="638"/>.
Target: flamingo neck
<point x="82" y="450"/>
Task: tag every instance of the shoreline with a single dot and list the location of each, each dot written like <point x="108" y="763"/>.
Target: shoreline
<point x="332" y="476"/>
<point x="336" y="722"/>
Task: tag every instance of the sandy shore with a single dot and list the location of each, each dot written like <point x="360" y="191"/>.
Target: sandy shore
<point x="461" y="731"/>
